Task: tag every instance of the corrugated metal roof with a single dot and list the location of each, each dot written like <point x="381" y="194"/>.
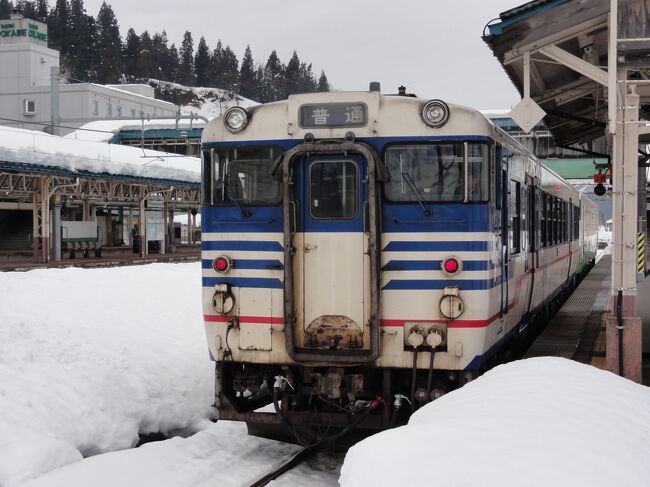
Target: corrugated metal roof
<point x="522" y="12"/>
<point x="523" y="8"/>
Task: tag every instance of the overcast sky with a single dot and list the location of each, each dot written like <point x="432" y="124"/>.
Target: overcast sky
<point x="432" y="47"/>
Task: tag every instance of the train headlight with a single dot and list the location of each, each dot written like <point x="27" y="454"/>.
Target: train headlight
<point x="222" y="264"/>
<point x="452" y="265"/>
<point x="435" y="113"/>
<point x="236" y="119"/>
<point x="451" y="304"/>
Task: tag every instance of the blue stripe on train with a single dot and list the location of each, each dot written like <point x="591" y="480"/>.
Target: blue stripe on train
<point x="228" y="219"/>
<point x="249" y="264"/>
<point x="444" y="217"/>
<point x="449" y="246"/>
<point x="254" y="282"/>
<point x="247" y="245"/>
<point x="439" y="284"/>
<point x="434" y="265"/>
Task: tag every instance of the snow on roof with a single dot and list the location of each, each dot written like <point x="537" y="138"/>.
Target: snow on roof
<point x="497" y="113"/>
<point x="104" y="130"/>
<point x="32" y="147"/>
<point x="537" y="422"/>
<point x="131" y="93"/>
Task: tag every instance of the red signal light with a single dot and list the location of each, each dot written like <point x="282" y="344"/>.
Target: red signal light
<point x="451" y="265"/>
<point x="221" y="264"/>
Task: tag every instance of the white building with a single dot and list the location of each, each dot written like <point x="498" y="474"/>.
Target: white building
<point x="27" y="98"/>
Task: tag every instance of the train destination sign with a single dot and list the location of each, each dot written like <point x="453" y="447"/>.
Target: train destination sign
<point x="333" y="115"/>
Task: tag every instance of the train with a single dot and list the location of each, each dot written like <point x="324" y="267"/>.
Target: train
<point x="365" y="253"/>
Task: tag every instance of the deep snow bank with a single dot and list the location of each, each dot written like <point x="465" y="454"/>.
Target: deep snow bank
<point x="537" y="422"/>
<point x="91" y="357"/>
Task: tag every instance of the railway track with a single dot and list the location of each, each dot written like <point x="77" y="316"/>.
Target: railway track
<point x="294" y="461"/>
<point x="310" y="466"/>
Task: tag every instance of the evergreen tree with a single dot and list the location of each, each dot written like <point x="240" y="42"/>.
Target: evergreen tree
<point x="42" y="9"/>
<point x="57" y="26"/>
<point x="171" y="64"/>
<point x="80" y="57"/>
<point x="292" y="76"/>
<point x="186" y="65"/>
<point x="306" y="83"/>
<point x="247" y="79"/>
<point x="28" y="8"/>
<point x="216" y="66"/>
<point x="323" y="84"/>
<point x="160" y="55"/>
<point x="202" y="63"/>
<point x="131" y="53"/>
<point x="229" y="70"/>
<point x="5" y="9"/>
<point x="145" y="68"/>
<point x="262" y="91"/>
<point x="273" y="88"/>
<point x="109" y="46"/>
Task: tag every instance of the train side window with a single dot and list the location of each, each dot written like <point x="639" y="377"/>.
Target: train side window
<point x="576" y="223"/>
<point x="515" y="215"/>
<point x="554" y="212"/>
<point x="542" y="211"/>
<point x="206" y="177"/>
<point x="478" y="181"/>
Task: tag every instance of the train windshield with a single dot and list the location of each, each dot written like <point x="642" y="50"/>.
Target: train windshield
<point x="437" y="172"/>
<point x="243" y="176"/>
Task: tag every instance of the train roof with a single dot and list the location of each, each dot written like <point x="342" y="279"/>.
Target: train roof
<point x="387" y="116"/>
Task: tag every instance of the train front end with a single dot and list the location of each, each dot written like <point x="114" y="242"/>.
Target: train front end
<point x="346" y="257"/>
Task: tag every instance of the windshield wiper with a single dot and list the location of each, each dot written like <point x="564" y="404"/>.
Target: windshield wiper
<point x="244" y="212"/>
<point x="414" y="190"/>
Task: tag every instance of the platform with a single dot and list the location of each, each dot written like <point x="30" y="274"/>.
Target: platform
<point x="577" y="331"/>
<point x="573" y="332"/>
<point x="116" y="259"/>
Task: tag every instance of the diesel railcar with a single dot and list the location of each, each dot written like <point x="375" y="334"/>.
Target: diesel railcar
<point x="363" y="254"/>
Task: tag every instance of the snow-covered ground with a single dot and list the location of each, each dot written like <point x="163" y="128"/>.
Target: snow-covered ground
<point x="537" y="422"/>
<point x="91" y="358"/>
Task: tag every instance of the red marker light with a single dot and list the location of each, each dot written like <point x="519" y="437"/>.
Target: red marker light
<point x="451" y="265"/>
<point x="221" y="264"/>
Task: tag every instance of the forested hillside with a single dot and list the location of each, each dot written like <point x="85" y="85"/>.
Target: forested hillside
<point x="93" y="49"/>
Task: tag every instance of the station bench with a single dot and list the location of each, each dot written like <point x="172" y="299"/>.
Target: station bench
<point x="83" y="246"/>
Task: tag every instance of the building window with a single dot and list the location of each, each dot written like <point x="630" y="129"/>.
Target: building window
<point x="29" y="107"/>
<point x="109" y="110"/>
<point x="133" y="112"/>
<point x="95" y="107"/>
<point x="119" y="111"/>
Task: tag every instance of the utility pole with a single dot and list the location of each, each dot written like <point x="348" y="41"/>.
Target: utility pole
<point x="54" y="93"/>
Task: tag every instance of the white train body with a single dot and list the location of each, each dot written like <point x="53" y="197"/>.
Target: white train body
<point x="338" y="263"/>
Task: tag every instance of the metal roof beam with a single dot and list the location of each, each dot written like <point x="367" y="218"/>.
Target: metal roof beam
<point x="576" y="64"/>
<point x="583" y="28"/>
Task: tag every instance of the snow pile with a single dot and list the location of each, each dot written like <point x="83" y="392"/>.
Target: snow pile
<point x="221" y="455"/>
<point x="91" y="357"/>
<point x="104" y="130"/>
<point x="32" y="147"/>
<point x="537" y="422"/>
<point x="207" y="102"/>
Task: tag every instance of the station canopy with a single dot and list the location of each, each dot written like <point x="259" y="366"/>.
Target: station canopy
<point x="555" y="32"/>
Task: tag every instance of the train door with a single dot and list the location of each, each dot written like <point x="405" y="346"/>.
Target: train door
<point x="333" y="291"/>
<point x="532" y="264"/>
<point x="502" y="174"/>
